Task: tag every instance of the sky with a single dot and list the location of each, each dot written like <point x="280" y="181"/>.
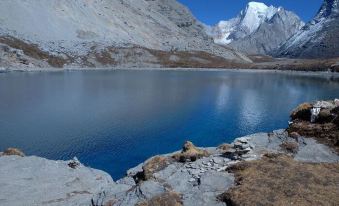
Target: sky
<point x="211" y="12"/>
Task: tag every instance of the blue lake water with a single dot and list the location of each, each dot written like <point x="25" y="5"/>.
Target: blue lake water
<point x="114" y="120"/>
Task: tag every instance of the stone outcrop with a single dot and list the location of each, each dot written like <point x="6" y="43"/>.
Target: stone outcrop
<point x="319" y="120"/>
<point x="37" y="181"/>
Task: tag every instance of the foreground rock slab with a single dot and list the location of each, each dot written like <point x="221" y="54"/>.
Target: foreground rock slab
<point x="38" y="181"/>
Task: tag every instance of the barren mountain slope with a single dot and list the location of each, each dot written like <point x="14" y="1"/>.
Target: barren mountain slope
<point x="77" y="28"/>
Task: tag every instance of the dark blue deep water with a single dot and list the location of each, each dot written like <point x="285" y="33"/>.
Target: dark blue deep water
<point x="113" y="120"/>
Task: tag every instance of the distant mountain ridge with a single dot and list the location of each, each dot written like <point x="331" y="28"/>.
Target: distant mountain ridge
<point x="258" y="29"/>
<point x="319" y="38"/>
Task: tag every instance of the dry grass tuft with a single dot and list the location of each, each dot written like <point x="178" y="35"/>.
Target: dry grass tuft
<point x="279" y="180"/>
<point x="190" y="153"/>
<point x="12" y="151"/>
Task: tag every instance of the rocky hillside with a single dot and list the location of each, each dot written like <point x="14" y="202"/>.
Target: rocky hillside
<point x="319" y="38"/>
<point x="76" y="32"/>
<point x="258" y="29"/>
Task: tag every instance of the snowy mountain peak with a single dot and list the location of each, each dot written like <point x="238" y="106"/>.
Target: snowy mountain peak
<point x="251" y="27"/>
<point x="257" y="6"/>
<point x="254" y="14"/>
<point x="247" y="22"/>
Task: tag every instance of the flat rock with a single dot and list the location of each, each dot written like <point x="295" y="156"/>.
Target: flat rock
<point x="38" y="181"/>
<point x="311" y="151"/>
<point x="216" y="181"/>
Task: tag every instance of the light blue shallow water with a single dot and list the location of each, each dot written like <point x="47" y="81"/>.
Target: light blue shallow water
<point x="113" y="120"/>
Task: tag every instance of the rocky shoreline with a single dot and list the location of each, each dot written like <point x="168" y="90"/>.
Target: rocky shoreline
<point x="278" y="168"/>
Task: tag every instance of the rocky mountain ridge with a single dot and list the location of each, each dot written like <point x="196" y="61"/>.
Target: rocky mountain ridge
<point x="317" y="39"/>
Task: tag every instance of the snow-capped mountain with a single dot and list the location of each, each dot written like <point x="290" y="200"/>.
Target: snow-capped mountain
<point x="75" y="28"/>
<point x="257" y="29"/>
<point x="244" y="24"/>
<point x="319" y="38"/>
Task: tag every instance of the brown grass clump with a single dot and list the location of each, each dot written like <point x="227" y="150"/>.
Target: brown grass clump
<point x="190" y="153"/>
<point x="279" y="180"/>
<point x="154" y="165"/>
<point x="12" y="151"/>
<point x="165" y="199"/>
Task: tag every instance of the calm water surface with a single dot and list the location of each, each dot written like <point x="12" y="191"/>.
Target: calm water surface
<point x="113" y="120"/>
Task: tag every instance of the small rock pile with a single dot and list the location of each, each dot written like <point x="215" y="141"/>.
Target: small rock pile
<point x="241" y="150"/>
